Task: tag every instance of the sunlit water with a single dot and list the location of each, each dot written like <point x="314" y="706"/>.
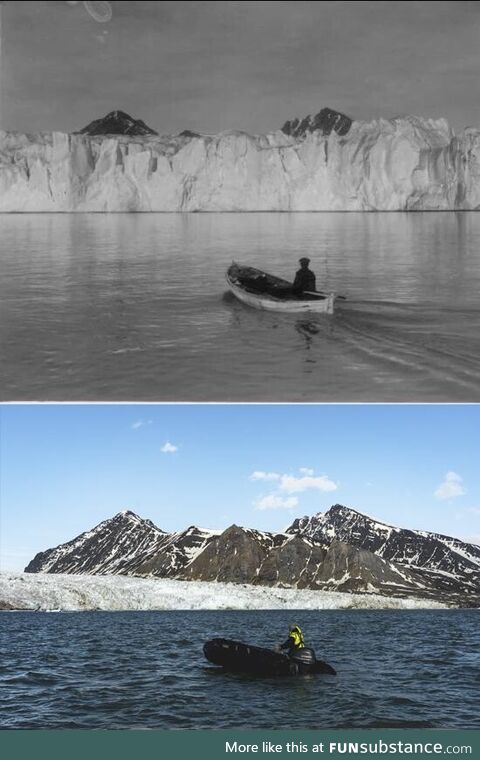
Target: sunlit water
<point x="146" y="670"/>
<point x="134" y="307"/>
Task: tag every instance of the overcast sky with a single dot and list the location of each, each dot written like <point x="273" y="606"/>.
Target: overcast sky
<point x="211" y="66"/>
<point x="66" y="468"/>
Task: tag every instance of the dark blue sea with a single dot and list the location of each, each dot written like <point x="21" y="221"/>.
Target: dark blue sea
<point x="115" y="670"/>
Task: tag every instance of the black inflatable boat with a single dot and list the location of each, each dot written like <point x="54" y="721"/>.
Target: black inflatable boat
<point x="244" y="658"/>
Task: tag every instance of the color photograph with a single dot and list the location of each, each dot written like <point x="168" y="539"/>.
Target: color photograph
<point x="261" y="567"/>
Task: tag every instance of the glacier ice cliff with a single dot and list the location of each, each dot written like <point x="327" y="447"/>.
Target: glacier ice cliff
<point x="386" y="165"/>
<point x="112" y="592"/>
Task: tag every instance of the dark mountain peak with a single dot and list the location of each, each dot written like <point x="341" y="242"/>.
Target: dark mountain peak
<point x="341" y="509"/>
<point x="126" y="513"/>
<point x="326" y="121"/>
<point x="188" y="133"/>
<point x="118" y="116"/>
<point x="338" y="515"/>
<point x="109" y="547"/>
<point x="339" y="512"/>
<point x="130" y="519"/>
<point x="233" y="556"/>
<point x="117" y="123"/>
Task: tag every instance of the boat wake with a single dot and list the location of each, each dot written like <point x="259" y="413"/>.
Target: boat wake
<point x="439" y="350"/>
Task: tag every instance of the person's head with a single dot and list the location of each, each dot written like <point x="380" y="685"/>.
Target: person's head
<point x="294" y="628"/>
<point x="304" y="262"/>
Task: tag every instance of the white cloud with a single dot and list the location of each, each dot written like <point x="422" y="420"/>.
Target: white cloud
<point x="141" y="423"/>
<point x="451" y="487"/>
<point x="274" y="501"/>
<point x="291" y="484"/>
<point x="169" y="448"/>
<point x="259" y="475"/>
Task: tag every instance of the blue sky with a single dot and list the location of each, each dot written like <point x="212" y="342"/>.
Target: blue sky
<point x="65" y="468"/>
<point x="211" y="66"/>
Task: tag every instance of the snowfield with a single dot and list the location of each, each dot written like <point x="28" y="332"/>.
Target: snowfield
<point x="42" y="591"/>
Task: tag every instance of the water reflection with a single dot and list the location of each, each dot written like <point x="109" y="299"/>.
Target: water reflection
<point x="134" y="307"/>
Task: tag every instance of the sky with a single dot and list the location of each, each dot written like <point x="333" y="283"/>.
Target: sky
<point x="65" y="468"/>
<point x="214" y="66"/>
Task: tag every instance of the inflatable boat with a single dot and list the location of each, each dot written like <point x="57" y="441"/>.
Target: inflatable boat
<point x="245" y="658"/>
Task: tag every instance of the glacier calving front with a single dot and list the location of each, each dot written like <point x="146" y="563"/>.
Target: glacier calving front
<point x="114" y="592"/>
<point x="386" y="165"/>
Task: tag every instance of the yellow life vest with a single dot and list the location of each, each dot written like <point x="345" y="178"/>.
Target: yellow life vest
<point x="297" y="636"/>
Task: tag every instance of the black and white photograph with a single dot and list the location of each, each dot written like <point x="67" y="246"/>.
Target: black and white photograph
<point x="240" y="201"/>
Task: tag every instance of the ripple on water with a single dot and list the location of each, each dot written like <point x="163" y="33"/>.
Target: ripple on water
<point x="377" y="685"/>
<point x="122" y="307"/>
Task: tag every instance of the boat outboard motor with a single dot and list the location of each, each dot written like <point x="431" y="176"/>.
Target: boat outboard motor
<point x="304" y="660"/>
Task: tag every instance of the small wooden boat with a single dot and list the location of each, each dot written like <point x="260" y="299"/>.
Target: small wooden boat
<point x="265" y="291"/>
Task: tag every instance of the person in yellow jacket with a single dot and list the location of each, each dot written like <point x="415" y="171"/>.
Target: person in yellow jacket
<point x="295" y="640"/>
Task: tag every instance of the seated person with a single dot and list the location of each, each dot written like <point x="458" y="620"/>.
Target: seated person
<point x="304" y="278"/>
<point x="295" y="640"/>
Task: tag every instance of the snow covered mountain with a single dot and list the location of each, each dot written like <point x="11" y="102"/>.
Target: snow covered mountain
<point x="451" y="565"/>
<point x="322" y="162"/>
<point x="340" y="550"/>
<point x="113" y="546"/>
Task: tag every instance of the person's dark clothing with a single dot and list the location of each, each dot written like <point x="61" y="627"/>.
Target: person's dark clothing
<point x="304" y="280"/>
<point x="289" y="645"/>
<point x="295" y="641"/>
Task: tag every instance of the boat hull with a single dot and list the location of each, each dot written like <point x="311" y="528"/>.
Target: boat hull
<point x="242" y="282"/>
<point x="238" y="657"/>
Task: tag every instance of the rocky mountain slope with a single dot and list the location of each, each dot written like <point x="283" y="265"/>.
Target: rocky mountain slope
<point x="322" y="162"/>
<point x="113" y="546"/>
<point x="340" y="550"/>
<point x="450" y="564"/>
<point x="117" y="123"/>
<point x="325" y="121"/>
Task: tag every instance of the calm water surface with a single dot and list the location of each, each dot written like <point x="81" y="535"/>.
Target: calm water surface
<point x="134" y="307"/>
<point x="146" y="670"/>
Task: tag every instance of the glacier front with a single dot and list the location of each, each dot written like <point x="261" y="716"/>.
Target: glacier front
<point x="406" y="163"/>
<point x="44" y="592"/>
